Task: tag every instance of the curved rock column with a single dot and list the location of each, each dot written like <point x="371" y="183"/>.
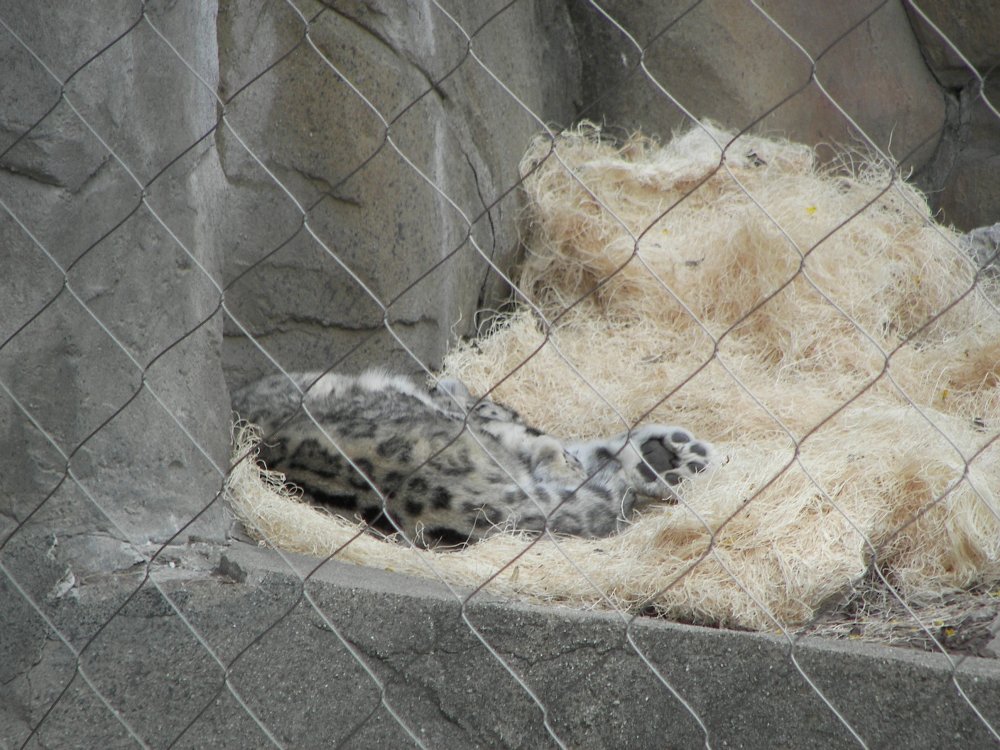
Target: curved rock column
<point x="371" y="151"/>
<point x="113" y="411"/>
<point x="959" y="43"/>
<point x="849" y="73"/>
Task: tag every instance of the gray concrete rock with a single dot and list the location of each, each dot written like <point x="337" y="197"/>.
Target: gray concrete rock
<point x="113" y="409"/>
<point x="959" y="43"/>
<point x="971" y="193"/>
<point x="749" y="68"/>
<point x="373" y="659"/>
<point x="963" y="179"/>
<point x="391" y="165"/>
<point x="957" y="34"/>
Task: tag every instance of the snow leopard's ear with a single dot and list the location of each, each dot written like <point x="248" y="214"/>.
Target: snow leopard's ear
<point x="454" y="388"/>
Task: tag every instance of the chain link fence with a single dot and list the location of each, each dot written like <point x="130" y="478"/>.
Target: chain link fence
<point x="196" y="196"/>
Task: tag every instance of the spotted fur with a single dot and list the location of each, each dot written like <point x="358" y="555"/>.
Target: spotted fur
<point x="445" y="468"/>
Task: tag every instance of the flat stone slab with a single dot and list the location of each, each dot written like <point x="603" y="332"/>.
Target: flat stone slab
<point x="273" y="649"/>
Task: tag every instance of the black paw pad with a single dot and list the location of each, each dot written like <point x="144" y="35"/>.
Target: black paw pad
<point x="657" y="455"/>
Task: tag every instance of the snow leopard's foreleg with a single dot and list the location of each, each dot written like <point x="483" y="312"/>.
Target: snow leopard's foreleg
<point x="613" y="476"/>
<point x="650" y="460"/>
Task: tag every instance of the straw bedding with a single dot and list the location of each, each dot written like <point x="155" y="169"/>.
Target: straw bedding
<point x="813" y="321"/>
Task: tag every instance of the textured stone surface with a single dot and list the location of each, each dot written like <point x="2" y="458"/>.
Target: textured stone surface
<point x="957" y="34"/>
<point x="971" y="193"/>
<point x="748" y="68"/>
<point x="963" y="179"/>
<point x="113" y="409"/>
<point x="400" y="151"/>
<point x="377" y="646"/>
<point x="959" y="43"/>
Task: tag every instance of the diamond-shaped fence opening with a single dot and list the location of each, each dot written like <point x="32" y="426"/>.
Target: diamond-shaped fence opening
<point x="736" y="217"/>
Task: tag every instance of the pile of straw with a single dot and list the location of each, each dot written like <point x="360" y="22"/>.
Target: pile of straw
<point x="814" y="322"/>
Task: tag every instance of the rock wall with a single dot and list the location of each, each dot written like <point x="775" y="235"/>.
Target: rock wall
<point x="853" y="76"/>
<point x="113" y="408"/>
<point x="959" y="44"/>
<point x="384" y="219"/>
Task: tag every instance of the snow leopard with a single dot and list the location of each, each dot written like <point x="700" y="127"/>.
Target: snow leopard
<point x="442" y="468"/>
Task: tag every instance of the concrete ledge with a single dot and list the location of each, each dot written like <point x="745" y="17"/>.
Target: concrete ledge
<point x="390" y="645"/>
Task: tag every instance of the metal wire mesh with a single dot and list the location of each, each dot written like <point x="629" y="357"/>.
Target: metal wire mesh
<point x="222" y="676"/>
